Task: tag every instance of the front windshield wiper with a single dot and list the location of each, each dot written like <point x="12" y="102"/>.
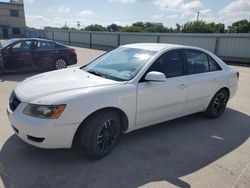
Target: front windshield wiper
<point x="103" y="75"/>
<point x="95" y="73"/>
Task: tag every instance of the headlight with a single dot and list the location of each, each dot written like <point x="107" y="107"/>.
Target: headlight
<point x="44" y="111"/>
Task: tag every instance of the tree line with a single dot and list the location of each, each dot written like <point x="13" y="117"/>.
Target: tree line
<point x="242" y="26"/>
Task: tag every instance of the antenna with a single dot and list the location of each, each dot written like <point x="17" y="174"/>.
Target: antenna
<point x="198" y="15"/>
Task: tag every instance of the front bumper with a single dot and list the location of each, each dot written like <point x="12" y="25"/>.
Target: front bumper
<point x="72" y="60"/>
<point x="39" y="132"/>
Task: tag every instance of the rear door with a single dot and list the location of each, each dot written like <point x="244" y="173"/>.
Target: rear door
<point x="19" y="56"/>
<point x="203" y="78"/>
<point x="161" y="101"/>
<point x="44" y="54"/>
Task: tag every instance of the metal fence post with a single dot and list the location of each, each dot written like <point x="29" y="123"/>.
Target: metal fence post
<point x="118" y="40"/>
<point x="216" y="48"/>
<point x="90" y="40"/>
<point x="158" y="39"/>
<point x="53" y="36"/>
<point x="69" y="39"/>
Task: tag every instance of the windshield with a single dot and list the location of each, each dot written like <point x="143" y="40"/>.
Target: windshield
<point x="5" y="43"/>
<point x="121" y="64"/>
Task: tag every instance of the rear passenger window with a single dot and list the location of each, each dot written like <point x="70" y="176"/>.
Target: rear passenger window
<point x="197" y="62"/>
<point x="45" y="45"/>
<point x="213" y="65"/>
<point x="169" y="63"/>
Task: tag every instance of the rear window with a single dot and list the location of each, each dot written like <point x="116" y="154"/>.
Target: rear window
<point x="197" y="62"/>
<point x="213" y="65"/>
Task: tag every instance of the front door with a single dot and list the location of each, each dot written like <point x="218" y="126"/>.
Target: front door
<point x="19" y="56"/>
<point x="5" y="33"/>
<point x="161" y="101"/>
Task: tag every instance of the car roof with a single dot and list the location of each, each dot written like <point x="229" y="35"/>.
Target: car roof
<point x="157" y="46"/>
<point x="34" y="39"/>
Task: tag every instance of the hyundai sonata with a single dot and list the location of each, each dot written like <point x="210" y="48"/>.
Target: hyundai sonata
<point x="131" y="87"/>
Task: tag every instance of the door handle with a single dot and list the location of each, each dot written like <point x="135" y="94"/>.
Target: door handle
<point x="182" y="86"/>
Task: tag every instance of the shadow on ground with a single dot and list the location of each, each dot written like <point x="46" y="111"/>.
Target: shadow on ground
<point x="17" y="76"/>
<point x="158" y="153"/>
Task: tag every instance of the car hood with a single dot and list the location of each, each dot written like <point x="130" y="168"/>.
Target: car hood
<point x="63" y="81"/>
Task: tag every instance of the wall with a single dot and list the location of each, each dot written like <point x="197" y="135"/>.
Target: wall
<point x="8" y="22"/>
<point x="233" y="47"/>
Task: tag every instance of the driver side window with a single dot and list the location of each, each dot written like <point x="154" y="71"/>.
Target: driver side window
<point x="22" y="46"/>
<point x="170" y="63"/>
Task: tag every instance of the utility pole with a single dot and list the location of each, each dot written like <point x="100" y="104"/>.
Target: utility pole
<point x="198" y="15"/>
<point x="78" y="23"/>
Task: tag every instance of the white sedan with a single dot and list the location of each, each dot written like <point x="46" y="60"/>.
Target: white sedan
<point x="131" y="87"/>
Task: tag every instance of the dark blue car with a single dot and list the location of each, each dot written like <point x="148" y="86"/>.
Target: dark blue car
<point x="24" y="54"/>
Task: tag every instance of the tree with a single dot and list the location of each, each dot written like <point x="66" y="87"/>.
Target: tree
<point x="114" y="27"/>
<point x="65" y="27"/>
<point x="95" y="27"/>
<point x="242" y="26"/>
<point x="132" y="29"/>
<point x="197" y="27"/>
<point x="155" y="28"/>
<point x="217" y="28"/>
<point x="178" y="28"/>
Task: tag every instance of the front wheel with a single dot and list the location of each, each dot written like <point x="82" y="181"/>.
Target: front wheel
<point x="217" y="105"/>
<point x="100" y="133"/>
<point x="60" y="64"/>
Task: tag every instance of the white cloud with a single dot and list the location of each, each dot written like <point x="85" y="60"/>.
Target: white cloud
<point x="168" y="5"/>
<point x="29" y="1"/>
<point x="235" y="11"/>
<point x="124" y="1"/>
<point x="179" y="6"/>
<point x="36" y="21"/>
<point x="157" y="16"/>
<point x="85" y="13"/>
<point x="60" y="9"/>
<point x="206" y="15"/>
<point x="172" y="16"/>
<point x="190" y="8"/>
<point x="39" y="21"/>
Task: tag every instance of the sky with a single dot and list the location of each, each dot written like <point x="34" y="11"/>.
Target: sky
<point x="40" y="13"/>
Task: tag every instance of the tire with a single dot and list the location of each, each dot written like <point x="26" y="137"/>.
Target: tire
<point x="60" y="63"/>
<point x="218" y="104"/>
<point x="100" y="134"/>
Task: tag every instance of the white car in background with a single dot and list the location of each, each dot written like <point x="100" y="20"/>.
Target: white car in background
<point x="131" y="87"/>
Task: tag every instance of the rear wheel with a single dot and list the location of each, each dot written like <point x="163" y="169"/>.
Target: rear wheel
<point x="218" y="104"/>
<point x="100" y="133"/>
<point x="60" y="63"/>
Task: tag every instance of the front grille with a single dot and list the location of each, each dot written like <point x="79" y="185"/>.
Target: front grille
<point x="14" y="101"/>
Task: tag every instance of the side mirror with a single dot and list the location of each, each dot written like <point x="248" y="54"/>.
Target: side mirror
<point x="155" y="76"/>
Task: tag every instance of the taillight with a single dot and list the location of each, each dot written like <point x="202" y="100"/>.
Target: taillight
<point x="238" y="75"/>
<point x="72" y="50"/>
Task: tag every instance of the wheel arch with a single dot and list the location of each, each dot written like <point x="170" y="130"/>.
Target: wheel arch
<point x="226" y="89"/>
<point x="121" y="113"/>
